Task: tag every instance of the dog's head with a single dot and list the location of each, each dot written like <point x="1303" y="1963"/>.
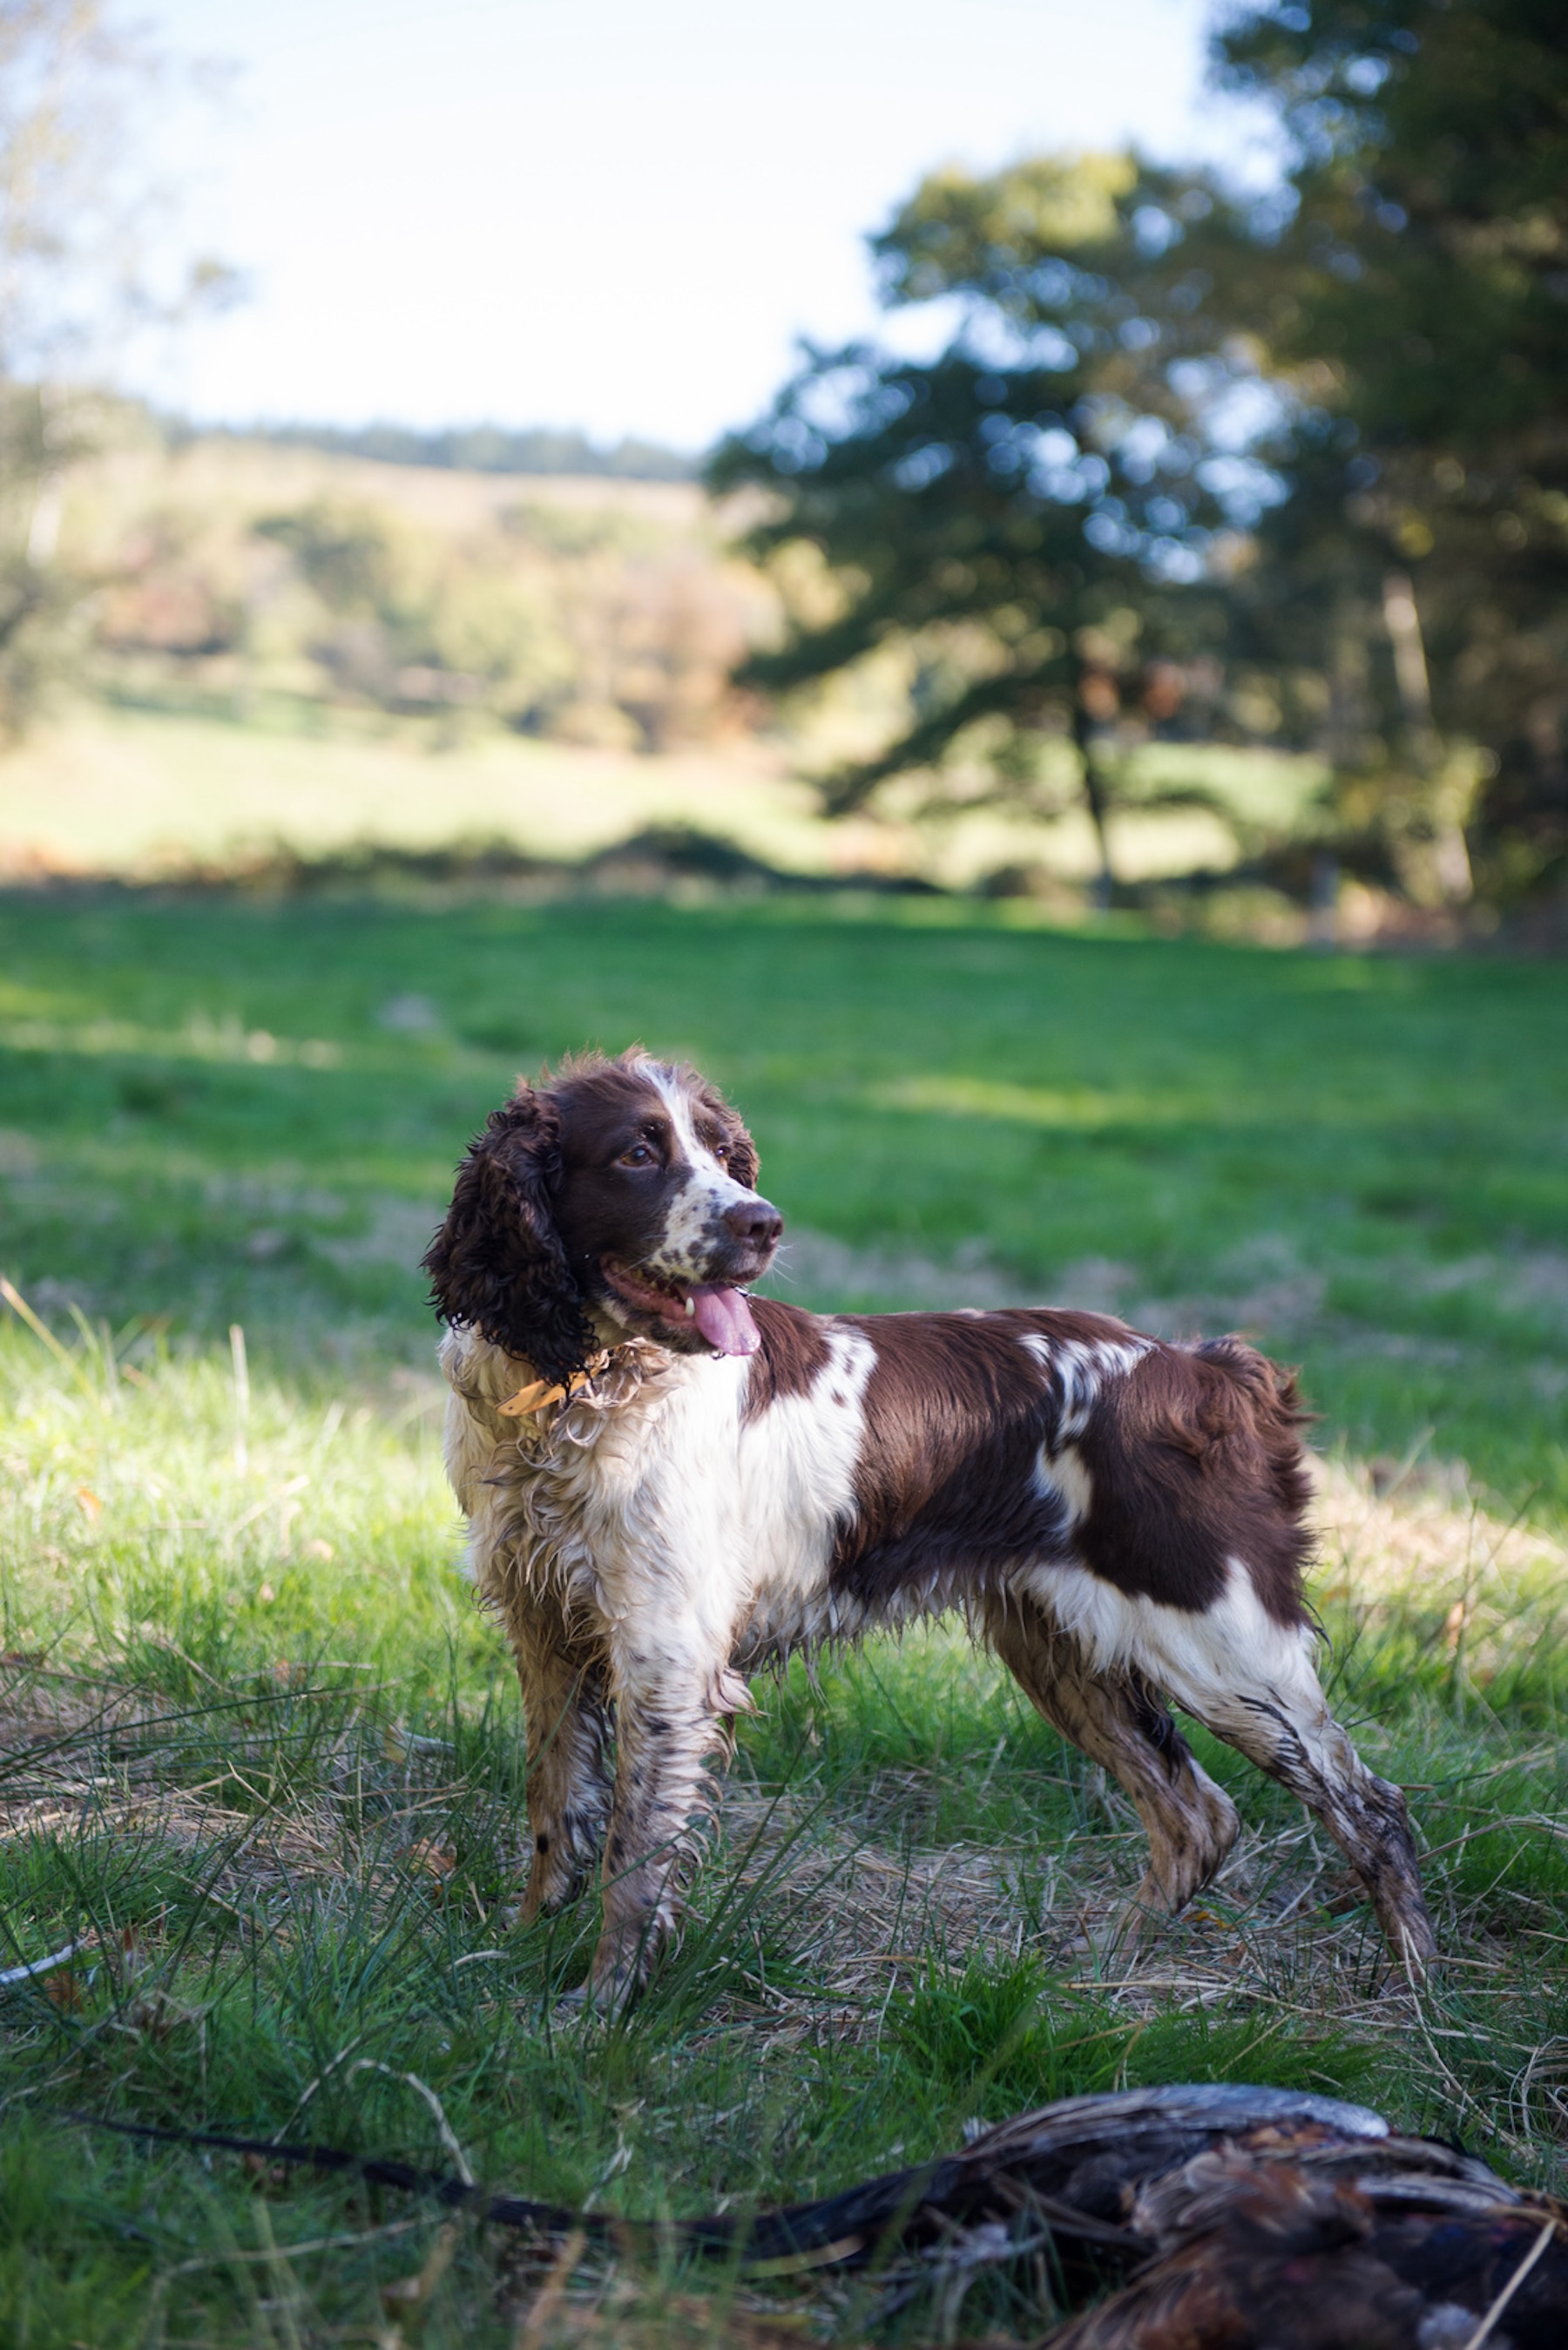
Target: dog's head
<point x="616" y="1199"/>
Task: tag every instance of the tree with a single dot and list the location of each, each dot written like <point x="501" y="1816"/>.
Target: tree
<point x="1322" y="432"/>
<point x="1415" y="296"/>
<point x="1041" y="515"/>
<point x="75" y="270"/>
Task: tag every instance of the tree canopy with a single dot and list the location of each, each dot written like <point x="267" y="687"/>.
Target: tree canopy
<point x="1187" y="442"/>
<point x="78" y="271"/>
<point x="1418" y="299"/>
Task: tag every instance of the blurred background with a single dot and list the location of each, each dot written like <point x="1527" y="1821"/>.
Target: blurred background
<point x="1093" y="459"/>
<point x="915" y="559"/>
<point x="1001" y="581"/>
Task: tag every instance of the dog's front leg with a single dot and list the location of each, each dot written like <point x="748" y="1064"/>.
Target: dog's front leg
<point x="676" y="1698"/>
<point x="562" y="1681"/>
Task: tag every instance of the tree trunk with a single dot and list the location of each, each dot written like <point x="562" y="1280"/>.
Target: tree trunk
<point x="1095" y="797"/>
<point x="1451" y="855"/>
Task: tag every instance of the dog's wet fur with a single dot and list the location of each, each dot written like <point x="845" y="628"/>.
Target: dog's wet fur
<point x="1122" y="1519"/>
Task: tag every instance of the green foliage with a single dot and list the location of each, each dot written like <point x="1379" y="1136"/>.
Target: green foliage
<point x="1430" y="159"/>
<point x="41" y="630"/>
<point x="1417" y="298"/>
<point x="409" y="617"/>
<point x="1176" y="461"/>
<point x="1022" y="512"/>
<point x="74" y="272"/>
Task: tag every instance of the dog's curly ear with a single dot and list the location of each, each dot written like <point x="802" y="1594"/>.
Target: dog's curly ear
<point x="497" y="1263"/>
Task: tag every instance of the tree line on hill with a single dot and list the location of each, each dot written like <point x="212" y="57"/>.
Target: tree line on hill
<point x="214" y="574"/>
<point x="1289" y="466"/>
<point x="483" y="449"/>
<point x="226" y="582"/>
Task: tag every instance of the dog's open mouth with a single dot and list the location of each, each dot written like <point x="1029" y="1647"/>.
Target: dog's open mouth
<point x="720" y="1315"/>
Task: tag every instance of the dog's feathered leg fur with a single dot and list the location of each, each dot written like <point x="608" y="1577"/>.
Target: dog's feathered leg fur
<point x="1119" y="1723"/>
<point x="567" y="1725"/>
<point x="1284" y="1726"/>
<point x="675" y="1701"/>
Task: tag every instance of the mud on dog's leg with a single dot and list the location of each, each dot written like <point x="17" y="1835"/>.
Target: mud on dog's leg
<point x="1253" y="1682"/>
<point x="673" y="1717"/>
<point x="1120" y="1724"/>
<point x="1290" y="1732"/>
<point x="568" y="1790"/>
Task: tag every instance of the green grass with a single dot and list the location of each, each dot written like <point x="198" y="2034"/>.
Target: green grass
<point x="262" y="1755"/>
<point x="1364" y="1160"/>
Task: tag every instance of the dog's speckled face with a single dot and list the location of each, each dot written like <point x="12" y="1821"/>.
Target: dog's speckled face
<point x="655" y="1207"/>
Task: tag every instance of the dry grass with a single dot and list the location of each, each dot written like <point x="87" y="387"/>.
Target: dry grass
<point x="276" y="1868"/>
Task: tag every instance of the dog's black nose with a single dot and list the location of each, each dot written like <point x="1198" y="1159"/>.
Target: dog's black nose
<point x="755" y="1221"/>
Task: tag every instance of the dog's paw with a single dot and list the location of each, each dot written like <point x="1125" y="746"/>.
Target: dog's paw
<point x="591" y="2002"/>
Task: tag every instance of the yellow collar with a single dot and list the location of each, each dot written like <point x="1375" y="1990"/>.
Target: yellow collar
<point x="540" y="1394"/>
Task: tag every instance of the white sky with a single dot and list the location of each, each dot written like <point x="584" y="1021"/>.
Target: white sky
<point x="612" y="214"/>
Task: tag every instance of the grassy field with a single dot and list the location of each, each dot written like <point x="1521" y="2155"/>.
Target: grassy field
<point x="261" y="1756"/>
<point x="141" y="790"/>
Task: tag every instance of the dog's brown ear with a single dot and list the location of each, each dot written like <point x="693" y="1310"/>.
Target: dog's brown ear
<point x="743" y="1161"/>
<point x="497" y="1261"/>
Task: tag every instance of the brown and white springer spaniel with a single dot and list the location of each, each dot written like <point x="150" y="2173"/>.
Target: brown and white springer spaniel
<point x="670" y="1484"/>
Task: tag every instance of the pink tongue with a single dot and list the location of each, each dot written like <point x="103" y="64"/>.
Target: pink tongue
<point x="724" y="1319"/>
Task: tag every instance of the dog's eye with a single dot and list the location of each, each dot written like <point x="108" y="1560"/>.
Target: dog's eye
<point x="639" y="1155"/>
<point x="720" y="1151"/>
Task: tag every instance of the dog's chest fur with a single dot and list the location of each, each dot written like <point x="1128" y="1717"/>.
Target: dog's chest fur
<point x="657" y="1495"/>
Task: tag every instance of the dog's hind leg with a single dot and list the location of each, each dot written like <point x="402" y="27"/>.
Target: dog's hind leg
<point x="1271" y="1708"/>
<point x="1119" y="1723"/>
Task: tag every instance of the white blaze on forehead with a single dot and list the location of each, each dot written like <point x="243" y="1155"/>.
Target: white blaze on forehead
<point x="710" y="1190"/>
<point x="677" y="1100"/>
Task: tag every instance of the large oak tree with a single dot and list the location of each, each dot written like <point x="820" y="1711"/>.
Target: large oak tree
<point x="1321" y="433"/>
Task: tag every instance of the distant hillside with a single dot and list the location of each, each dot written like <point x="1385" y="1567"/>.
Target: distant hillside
<point x="229" y="572"/>
<point x="482" y="448"/>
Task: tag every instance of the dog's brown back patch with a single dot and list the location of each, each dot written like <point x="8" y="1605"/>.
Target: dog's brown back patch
<point x="1193" y="1458"/>
<point x="955" y="1420"/>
